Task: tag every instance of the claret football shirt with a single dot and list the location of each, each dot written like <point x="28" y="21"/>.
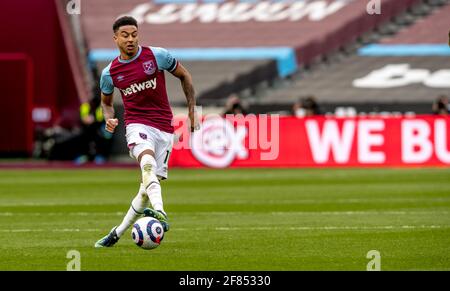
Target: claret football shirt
<point x="142" y="85"/>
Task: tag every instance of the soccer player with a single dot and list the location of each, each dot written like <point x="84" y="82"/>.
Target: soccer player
<point x="139" y="75"/>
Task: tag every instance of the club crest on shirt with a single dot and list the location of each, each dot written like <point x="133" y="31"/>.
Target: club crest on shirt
<point x="149" y="67"/>
<point x="143" y="135"/>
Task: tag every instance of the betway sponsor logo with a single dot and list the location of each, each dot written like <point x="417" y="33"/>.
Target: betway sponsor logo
<point x="228" y="12"/>
<point x="138" y="87"/>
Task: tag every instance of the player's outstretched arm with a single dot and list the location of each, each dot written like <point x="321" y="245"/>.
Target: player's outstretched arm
<point x="188" y="89"/>
<point x="108" y="112"/>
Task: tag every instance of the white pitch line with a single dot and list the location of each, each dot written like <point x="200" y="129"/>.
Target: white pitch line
<point x="278" y="201"/>
<point x="381" y="227"/>
<point x="61" y="213"/>
<point x="370" y="212"/>
<point x="50" y="230"/>
<point x="226" y="213"/>
<point x="293" y="213"/>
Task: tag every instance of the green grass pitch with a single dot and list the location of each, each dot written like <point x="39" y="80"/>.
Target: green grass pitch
<point x="245" y="219"/>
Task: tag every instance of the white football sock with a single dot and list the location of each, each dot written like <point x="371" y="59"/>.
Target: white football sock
<point x="151" y="182"/>
<point x="139" y="203"/>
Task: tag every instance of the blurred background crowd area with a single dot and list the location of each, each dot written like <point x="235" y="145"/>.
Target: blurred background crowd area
<point x="340" y="58"/>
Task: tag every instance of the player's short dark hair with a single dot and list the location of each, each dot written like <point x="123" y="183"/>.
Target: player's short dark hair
<point x="122" y="21"/>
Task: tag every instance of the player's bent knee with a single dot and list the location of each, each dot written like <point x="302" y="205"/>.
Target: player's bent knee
<point x="138" y="151"/>
<point x="145" y="152"/>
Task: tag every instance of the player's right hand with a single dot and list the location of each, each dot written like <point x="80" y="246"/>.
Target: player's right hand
<point x="111" y="124"/>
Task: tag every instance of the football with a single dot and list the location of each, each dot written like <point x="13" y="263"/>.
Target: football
<point x="147" y="233"/>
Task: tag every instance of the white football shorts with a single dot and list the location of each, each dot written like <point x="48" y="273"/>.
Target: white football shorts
<point x="142" y="137"/>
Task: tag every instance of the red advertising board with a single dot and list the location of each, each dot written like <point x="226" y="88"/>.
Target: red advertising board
<point x="263" y="141"/>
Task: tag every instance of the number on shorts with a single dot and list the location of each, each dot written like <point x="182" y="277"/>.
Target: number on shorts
<point x="167" y="157"/>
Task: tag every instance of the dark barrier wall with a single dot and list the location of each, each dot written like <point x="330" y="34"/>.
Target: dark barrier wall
<point x="31" y="28"/>
<point x="312" y="28"/>
<point x="16" y="73"/>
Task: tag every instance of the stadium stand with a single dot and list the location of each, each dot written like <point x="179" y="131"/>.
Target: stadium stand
<point x="404" y="72"/>
<point x="422" y="31"/>
<point x="291" y="33"/>
<point x="336" y="84"/>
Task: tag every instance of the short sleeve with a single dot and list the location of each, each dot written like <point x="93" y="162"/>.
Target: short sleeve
<point x="106" y="84"/>
<point x="164" y="59"/>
